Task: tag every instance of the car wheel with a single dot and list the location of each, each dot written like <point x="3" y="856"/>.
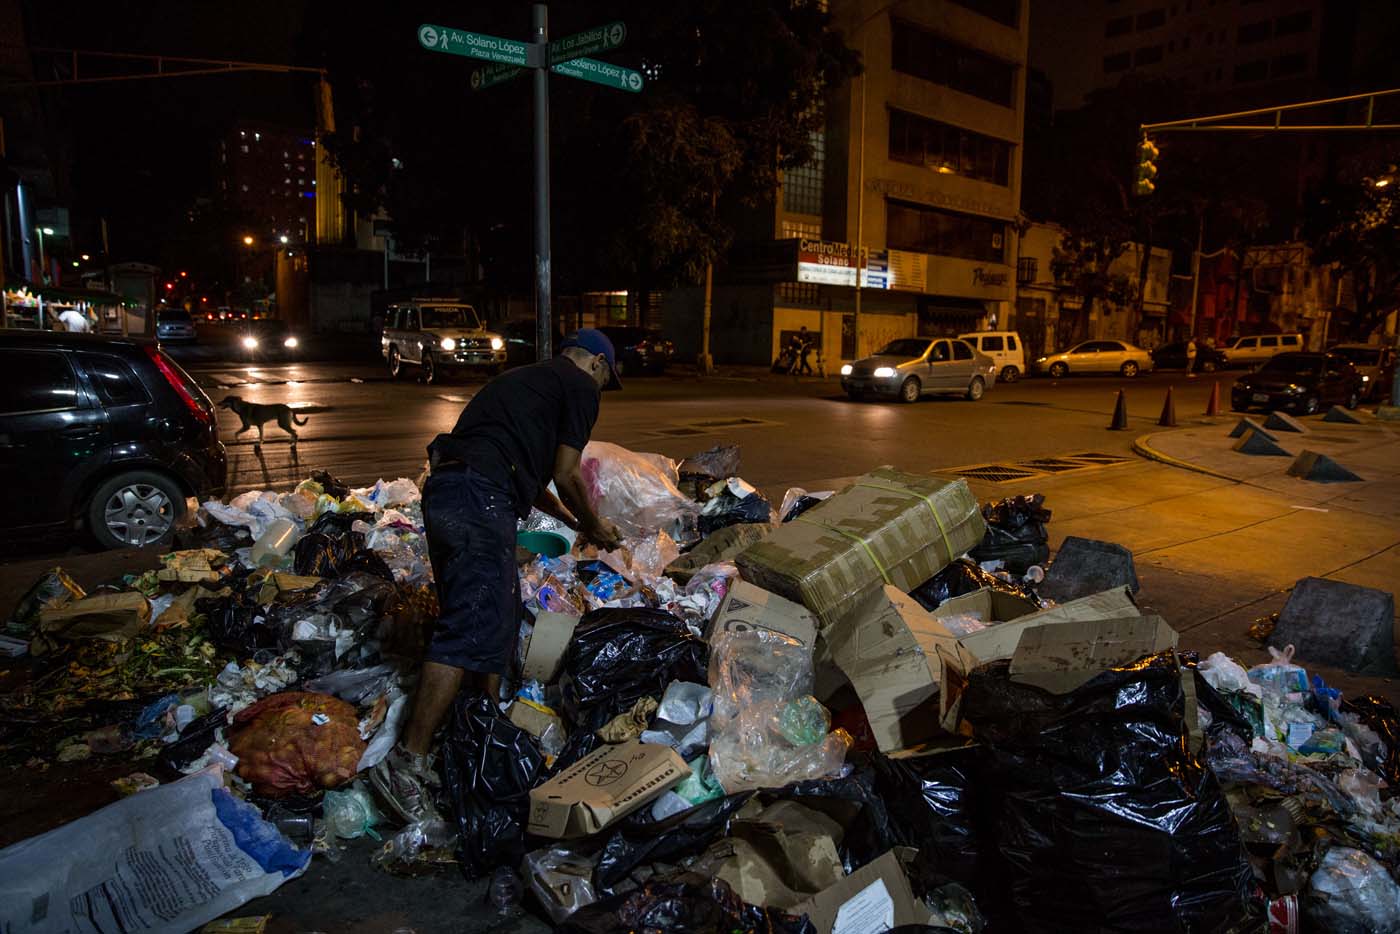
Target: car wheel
<point x="1009" y="374"/>
<point x="430" y="372"/>
<point x="395" y="362"/>
<point x="1310" y="405"/>
<point x="1058" y="370"/>
<point x="909" y="390"/>
<point x="1208" y="366"/>
<point x="857" y="395"/>
<point x="1129" y="369"/>
<point x="976" y="388"/>
<point x="1354" y="399"/>
<point x="135" y="509"/>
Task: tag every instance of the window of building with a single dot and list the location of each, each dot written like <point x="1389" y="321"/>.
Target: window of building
<point x="1255" y="32"/>
<point x="1252" y="71"/>
<point x="933" y="58"/>
<point x="1148" y="55"/>
<point x="948" y="149"/>
<point x="795" y="229"/>
<point x="802" y="186"/>
<point x="1294" y="23"/>
<point x="1120" y="62"/>
<point x="1152" y="19"/>
<point x="799" y="293"/>
<point x="1287" y="65"/>
<point x="1005" y="12"/>
<point x="1118" y="26"/>
<point x="921" y="229"/>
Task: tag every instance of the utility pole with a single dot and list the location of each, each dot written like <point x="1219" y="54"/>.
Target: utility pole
<point x="704" y="362"/>
<point x="539" y="23"/>
<point x="1196" y="274"/>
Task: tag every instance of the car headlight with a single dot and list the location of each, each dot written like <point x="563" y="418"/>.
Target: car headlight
<point x="289" y="342"/>
<point x="884" y="372"/>
<point x="497" y="343"/>
<point x="449" y="344"/>
<point x="250" y="342"/>
<point x="1294" y="389"/>
<point x="1042" y="359"/>
<point x="847" y="369"/>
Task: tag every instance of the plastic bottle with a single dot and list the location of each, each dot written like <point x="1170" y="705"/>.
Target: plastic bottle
<point x="275" y="543"/>
<point x="503" y="893"/>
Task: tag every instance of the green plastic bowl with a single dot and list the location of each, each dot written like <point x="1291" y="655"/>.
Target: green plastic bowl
<point x="549" y="544"/>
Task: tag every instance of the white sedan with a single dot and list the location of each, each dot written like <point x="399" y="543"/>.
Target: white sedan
<point x="1097" y="357"/>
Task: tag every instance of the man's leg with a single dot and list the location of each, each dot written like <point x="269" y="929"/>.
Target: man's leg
<point x="437" y="687"/>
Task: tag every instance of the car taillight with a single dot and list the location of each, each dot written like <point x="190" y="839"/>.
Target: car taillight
<point x="178" y="384"/>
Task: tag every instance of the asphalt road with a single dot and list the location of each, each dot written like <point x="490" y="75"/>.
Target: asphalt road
<point x="362" y="425"/>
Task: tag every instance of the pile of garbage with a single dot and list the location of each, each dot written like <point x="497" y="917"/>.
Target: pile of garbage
<point x="857" y="711"/>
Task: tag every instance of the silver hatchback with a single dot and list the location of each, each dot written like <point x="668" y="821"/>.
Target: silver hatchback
<point x="912" y="367"/>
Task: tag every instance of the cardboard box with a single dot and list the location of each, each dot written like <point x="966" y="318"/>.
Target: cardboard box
<point x="988" y="605"/>
<point x="876" y="897"/>
<point x="1000" y="641"/>
<point x="780" y="856"/>
<point x="534" y="718"/>
<point x="609" y="783"/>
<point x="747" y="607"/>
<point x="886" y="528"/>
<point x="721" y="545"/>
<point x="115" y="617"/>
<point x="1060" y="658"/>
<point x="544" y="653"/>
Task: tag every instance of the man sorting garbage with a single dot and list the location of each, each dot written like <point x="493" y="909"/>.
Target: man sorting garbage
<point x="523" y="429"/>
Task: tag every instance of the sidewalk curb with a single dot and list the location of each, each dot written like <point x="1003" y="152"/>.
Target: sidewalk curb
<point x="1143" y="447"/>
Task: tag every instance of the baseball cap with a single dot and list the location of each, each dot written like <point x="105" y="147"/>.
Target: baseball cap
<point x="595" y="342"/>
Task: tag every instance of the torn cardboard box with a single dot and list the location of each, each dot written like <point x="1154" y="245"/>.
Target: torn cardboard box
<point x="748" y="607"/>
<point x="988" y="605"/>
<point x="602" y="787"/>
<point x="544" y="653"/>
<point x="115" y="617"/>
<point x="886" y="528"/>
<point x="1060" y="658"/>
<point x="535" y="719"/>
<point x="876" y="897"/>
<point x="721" y="545"/>
<point x="1000" y="641"/>
<point x="777" y="857"/>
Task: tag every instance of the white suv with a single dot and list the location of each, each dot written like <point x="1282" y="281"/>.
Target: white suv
<point x="1005" y="349"/>
<point x="1247" y="351"/>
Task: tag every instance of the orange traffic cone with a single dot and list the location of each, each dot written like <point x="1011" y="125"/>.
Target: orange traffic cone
<point x="1168" y="419"/>
<point x="1213" y="406"/>
<point x="1120" y="414"/>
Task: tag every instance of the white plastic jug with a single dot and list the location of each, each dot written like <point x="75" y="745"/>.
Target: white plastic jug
<point x="275" y="543"/>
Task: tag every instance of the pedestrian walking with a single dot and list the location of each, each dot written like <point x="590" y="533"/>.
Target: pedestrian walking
<point x="1191" y="358"/>
<point x="524" y="428"/>
<point x="805" y="343"/>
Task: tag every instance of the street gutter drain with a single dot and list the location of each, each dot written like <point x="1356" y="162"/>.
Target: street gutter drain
<point x="996" y="473"/>
<point x="1052" y="464"/>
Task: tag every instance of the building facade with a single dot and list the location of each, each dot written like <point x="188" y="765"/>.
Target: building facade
<point x="914" y="194"/>
<point x="268" y="176"/>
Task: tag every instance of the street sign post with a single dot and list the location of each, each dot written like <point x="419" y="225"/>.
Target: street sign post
<point x="507" y="59"/>
<point x="588" y="42"/>
<point x="604" y="73"/>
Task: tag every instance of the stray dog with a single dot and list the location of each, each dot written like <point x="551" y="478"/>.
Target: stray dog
<point x="255" y="413"/>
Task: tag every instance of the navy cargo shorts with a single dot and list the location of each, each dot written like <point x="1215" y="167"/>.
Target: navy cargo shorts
<point x="470" y="524"/>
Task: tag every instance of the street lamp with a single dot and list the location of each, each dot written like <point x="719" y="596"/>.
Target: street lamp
<point x="284" y="238"/>
<point x="247" y="239"/>
<point x="43" y="263"/>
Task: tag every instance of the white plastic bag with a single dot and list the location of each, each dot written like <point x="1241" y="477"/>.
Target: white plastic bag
<point x="635" y="491"/>
<point x="1350" y="893"/>
<point x="166" y="860"/>
<point x="1228" y="676"/>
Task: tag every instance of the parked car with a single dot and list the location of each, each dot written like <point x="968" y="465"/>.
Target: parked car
<point x="439" y="336"/>
<point x="1097" y="357"/>
<point x="1173" y="357"/>
<point x="1249" y="351"/>
<point x="175" y="325"/>
<point x="1376" y="365"/>
<point x="269" y="338"/>
<point x="520" y="341"/>
<point x="1299" y="382"/>
<point x="912" y="367"/>
<point x="1004" y="347"/>
<point x="639" y="350"/>
<point x="106" y="434"/>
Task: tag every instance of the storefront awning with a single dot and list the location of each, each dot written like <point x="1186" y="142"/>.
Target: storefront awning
<point x="50" y="293"/>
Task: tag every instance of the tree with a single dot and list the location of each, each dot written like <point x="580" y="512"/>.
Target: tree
<point x="1353" y="225"/>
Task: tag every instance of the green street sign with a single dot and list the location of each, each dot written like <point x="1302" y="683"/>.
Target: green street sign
<point x="473" y="45"/>
<point x="588" y="42"/>
<point x="613" y="76"/>
<point x="489" y="76"/>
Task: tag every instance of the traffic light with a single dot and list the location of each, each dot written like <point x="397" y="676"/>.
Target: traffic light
<point x="1146" y="167"/>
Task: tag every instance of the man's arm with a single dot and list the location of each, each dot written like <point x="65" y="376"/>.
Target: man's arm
<point x="569" y="482"/>
<point x="550" y="505"/>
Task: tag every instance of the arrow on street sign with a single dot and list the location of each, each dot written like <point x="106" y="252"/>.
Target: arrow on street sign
<point x="613" y="76"/>
<point x="488" y="76"/>
<point x="473" y="45"/>
<point x="588" y="42"/>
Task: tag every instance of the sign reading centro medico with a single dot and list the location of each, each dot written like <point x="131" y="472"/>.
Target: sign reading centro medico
<point x="827" y="263"/>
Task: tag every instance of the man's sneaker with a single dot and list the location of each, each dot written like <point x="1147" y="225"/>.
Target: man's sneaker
<point x="404" y="782"/>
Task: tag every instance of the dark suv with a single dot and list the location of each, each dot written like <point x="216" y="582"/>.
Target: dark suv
<point x="103" y="432"/>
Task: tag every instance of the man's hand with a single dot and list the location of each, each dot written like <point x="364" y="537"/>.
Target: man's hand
<point x="603" y="534"/>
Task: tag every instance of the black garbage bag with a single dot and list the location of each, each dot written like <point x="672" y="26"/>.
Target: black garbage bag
<point x="962" y="577"/>
<point x="236" y="624"/>
<point x="684" y="902"/>
<point x="197" y="736"/>
<point x="336" y="554"/>
<point x="734" y="510"/>
<point x="489" y="766"/>
<point x="718" y="463"/>
<point x="638" y="839"/>
<point x="801" y="505"/>
<point x="1016" y="533"/>
<point x="619" y="655"/>
<point x="330" y="484"/>
<point x="1097" y="817"/>
<point x="336" y="522"/>
<point x="1380" y="715"/>
<point x="853" y="802"/>
<point x="931" y="802"/>
<point x="579" y="744"/>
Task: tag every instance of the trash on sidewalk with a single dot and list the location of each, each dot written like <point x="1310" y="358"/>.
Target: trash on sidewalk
<point x="604" y="786"/>
<point x="1016" y="533"/>
<point x="53" y="589"/>
<point x="873" y="898"/>
<point x="747" y="607"/>
<point x="297" y="743"/>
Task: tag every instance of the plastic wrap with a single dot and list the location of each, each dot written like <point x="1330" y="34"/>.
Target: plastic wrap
<point x="1380" y="719"/>
<point x="1351" y="893"/>
<point x="644" y="559"/>
<point x="490" y="765"/>
<point x="351" y="814"/>
<point x="560" y="879"/>
<point x="682" y="719"/>
<point x="635" y="491"/>
<point x="766" y="729"/>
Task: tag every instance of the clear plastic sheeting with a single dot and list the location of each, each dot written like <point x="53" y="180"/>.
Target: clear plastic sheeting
<point x="766" y="729"/>
<point x="560" y="879"/>
<point x="635" y="491"/>
<point x="1351" y="893"/>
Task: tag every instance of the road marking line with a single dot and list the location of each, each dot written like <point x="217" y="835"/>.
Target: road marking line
<point x="1310" y="508"/>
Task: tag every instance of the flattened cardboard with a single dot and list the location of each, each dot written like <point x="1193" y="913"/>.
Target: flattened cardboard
<point x="1060" y="658"/>
<point x="779" y="857"/>
<point x="608" y="784"/>
<point x="748" y="607"/>
<point x="1000" y="641"/>
<point x="545" y="651"/>
<point x="876" y="897"/>
<point x="114" y="617"/>
<point x="988" y="605"/>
